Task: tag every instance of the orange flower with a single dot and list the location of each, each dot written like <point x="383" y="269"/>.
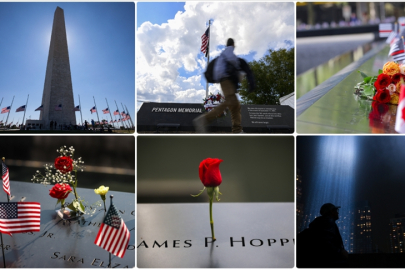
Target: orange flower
<point x="390" y="68"/>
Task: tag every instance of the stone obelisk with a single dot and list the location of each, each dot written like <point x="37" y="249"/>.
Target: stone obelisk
<point x="58" y="82"/>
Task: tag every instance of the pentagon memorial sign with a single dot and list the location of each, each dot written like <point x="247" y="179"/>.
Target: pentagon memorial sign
<point x="249" y="235"/>
<point x="179" y="117"/>
<point x="66" y="244"/>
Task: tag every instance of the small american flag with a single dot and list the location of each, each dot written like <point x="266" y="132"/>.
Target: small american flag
<point x="77" y="108"/>
<point x="106" y="111"/>
<point x="5" y="177"/>
<point x="92" y="110"/>
<point x="40" y="108"/>
<point x="20" y="109"/>
<point x="116" y="112"/>
<point x="5" y="109"/>
<point x="123" y="114"/>
<point x="397" y="50"/>
<point x="19" y="217"/>
<point x="58" y="108"/>
<point x="113" y="235"/>
<point x="205" y="39"/>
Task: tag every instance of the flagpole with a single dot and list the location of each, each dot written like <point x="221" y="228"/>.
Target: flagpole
<point x="130" y="118"/>
<point x="80" y="108"/>
<point x="2" y="249"/>
<point x="108" y="106"/>
<point x="109" y="253"/>
<point x="208" y="55"/>
<point x="118" y="113"/>
<point x="96" y="110"/>
<point x="1" y="101"/>
<point x="125" y="114"/>
<point x="26" y="104"/>
<point x="10" y="109"/>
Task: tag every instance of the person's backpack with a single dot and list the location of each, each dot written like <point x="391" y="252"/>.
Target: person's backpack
<point x="209" y="73"/>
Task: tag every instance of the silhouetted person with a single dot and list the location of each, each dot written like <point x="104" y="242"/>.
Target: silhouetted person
<point x="321" y="245"/>
<point x="51" y="124"/>
<point x="86" y="125"/>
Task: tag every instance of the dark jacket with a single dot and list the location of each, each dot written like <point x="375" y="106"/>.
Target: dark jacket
<point x="320" y="245"/>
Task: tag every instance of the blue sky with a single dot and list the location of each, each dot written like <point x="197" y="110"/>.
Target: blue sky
<point x="169" y="64"/>
<point x="101" y="42"/>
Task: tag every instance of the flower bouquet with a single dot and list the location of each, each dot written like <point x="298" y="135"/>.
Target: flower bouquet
<point x="61" y="175"/>
<point x="213" y="101"/>
<point x="384" y="88"/>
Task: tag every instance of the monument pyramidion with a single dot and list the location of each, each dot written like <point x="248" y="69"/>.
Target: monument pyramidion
<point x="57" y="98"/>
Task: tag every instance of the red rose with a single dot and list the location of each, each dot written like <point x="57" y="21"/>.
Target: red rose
<point x="64" y="164"/>
<point x="209" y="172"/>
<point x="382" y="96"/>
<point x="396" y="78"/>
<point x="60" y="191"/>
<point x="383" y="80"/>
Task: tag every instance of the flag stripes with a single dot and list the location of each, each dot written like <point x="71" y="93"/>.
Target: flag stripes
<point x="113" y="235"/>
<point x="20" y="217"/>
<point x="204" y="41"/>
<point x="6" y="178"/>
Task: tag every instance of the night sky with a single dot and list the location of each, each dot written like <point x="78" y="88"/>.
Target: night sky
<point x="379" y="177"/>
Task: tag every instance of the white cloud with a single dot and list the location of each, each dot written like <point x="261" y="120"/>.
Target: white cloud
<point x="162" y="50"/>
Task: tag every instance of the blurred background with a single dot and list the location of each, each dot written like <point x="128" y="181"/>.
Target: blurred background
<point x="332" y="35"/>
<point x="108" y="160"/>
<point x="254" y="168"/>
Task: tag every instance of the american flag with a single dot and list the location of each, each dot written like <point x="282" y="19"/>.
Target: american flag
<point x="58" y="108"/>
<point x="5" y="177"/>
<point x="20" y="109"/>
<point x="40" y="108"/>
<point x="117" y="112"/>
<point x="205" y="39"/>
<point x="77" y="108"/>
<point x="92" y="110"/>
<point x="106" y="111"/>
<point x="123" y="114"/>
<point x="5" y="109"/>
<point x="397" y="50"/>
<point x="19" y="217"/>
<point x="113" y="235"/>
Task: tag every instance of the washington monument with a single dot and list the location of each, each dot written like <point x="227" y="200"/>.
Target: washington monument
<point x="57" y="98"/>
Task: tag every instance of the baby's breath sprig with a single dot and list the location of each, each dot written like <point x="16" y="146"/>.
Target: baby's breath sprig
<point x="63" y="174"/>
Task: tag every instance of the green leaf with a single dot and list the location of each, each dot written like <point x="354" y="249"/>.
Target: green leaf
<point x="367" y="79"/>
<point x="71" y="207"/>
<point x="380" y="71"/>
<point x="198" y="193"/>
<point x="368" y="90"/>
<point x="81" y="207"/>
<point x="362" y="74"/>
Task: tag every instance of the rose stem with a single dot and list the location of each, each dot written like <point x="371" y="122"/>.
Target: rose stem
<point x="212" y="221"/>
<point x="104" y="206"/>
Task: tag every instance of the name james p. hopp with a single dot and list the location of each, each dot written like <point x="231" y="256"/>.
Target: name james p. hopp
<point x="232" y="241"/>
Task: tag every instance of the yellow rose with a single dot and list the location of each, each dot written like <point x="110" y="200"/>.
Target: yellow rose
<point x="394" y="99"/>
<point x="390" y="68"/>
<point x="102" y="190"/>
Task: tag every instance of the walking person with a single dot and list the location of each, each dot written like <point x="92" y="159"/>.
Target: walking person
<point x="226" y="71"/>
